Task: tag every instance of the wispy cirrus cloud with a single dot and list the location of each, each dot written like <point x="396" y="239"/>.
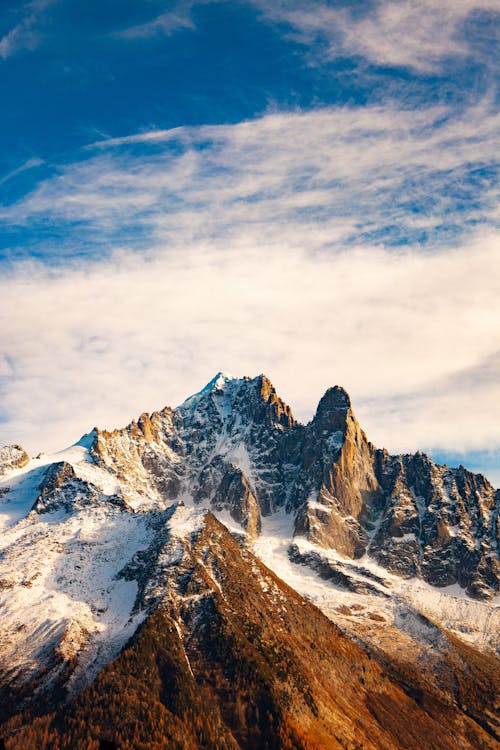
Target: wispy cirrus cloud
<point x="338" y="176"/>
<point x="26" y="34"/>
<point x="411" y="34"/>
<point x="176" y="18"/>
<point x="28" y="164"/>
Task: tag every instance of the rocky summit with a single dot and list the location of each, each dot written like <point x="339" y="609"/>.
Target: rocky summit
<point x="219" y="575"/>
<point x="236" y="446"/>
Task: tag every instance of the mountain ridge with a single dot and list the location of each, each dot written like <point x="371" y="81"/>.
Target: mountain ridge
<point x="401" y="554"/>
<point x="341" y="483"/>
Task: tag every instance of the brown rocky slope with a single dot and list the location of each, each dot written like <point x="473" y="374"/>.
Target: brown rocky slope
<point x="233" y="658"/>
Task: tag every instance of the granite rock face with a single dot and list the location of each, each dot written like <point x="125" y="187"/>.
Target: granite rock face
<point x="230" y="425"/>
<point x="337" y="492"/>
<point x="414" y="517"/>
<point x="234" y="494"/>
<point x="236" y="446"/>
<point x="146" y="453"/>
<point x="438" y="523"/>
<point x="61" y="489"/>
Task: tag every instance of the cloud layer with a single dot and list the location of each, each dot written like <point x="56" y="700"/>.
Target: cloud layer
<point x="413" y="338"/>
<point x="417" y="35"/>
<point x="354" y="245"/>
<point x="331" y="177"/>
<point x="175" y="19"/>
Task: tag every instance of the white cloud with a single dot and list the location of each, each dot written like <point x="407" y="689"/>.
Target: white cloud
<point x="456" y="413"/>
<point x="410" y="33"/>
<point x="249" y="262"/>
<point x="416" y="34"/>
<point x="331" y="174"/>
<point x="28" y="164"/>
<point x="25" y="35"/>
<point x="21" y="37"/>
<point x="148" y="136"/>
<point x="101" y="344"/>
<point x="175" y="19"/>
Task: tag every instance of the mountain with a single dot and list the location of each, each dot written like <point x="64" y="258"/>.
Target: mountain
<point x="236" y="446"/>
<point x="219" y="575"/>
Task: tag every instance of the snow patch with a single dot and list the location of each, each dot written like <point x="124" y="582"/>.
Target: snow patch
<point x="217" y="383"/>
<point x="186" y="521"/>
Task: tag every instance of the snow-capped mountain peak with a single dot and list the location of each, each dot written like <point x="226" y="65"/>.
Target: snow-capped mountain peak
<point x="217" y="383"/>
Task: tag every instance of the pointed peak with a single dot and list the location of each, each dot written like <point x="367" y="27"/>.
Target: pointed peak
<point x="281" y="413"/>
<point x="335" y="398"/>
<point x="87" y="439"/>
<point x="218" y="383"/>
<point x="333" y="410"/>
<point x="264" y="384"/>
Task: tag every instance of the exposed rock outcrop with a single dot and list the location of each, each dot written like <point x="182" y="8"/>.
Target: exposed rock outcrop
<point x="439" y="523"/>
<point x="235" y="495"/>
<point x="12" y="457"/>
<point x="61" y="489"/>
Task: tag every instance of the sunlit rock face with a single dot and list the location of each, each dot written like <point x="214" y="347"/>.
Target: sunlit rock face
<point x="337" y="492"/>
<point x="234" y="494"/>
<point x="232" y="424"/>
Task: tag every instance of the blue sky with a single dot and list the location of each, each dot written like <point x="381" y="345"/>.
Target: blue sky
<point x="308" y="189"/>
